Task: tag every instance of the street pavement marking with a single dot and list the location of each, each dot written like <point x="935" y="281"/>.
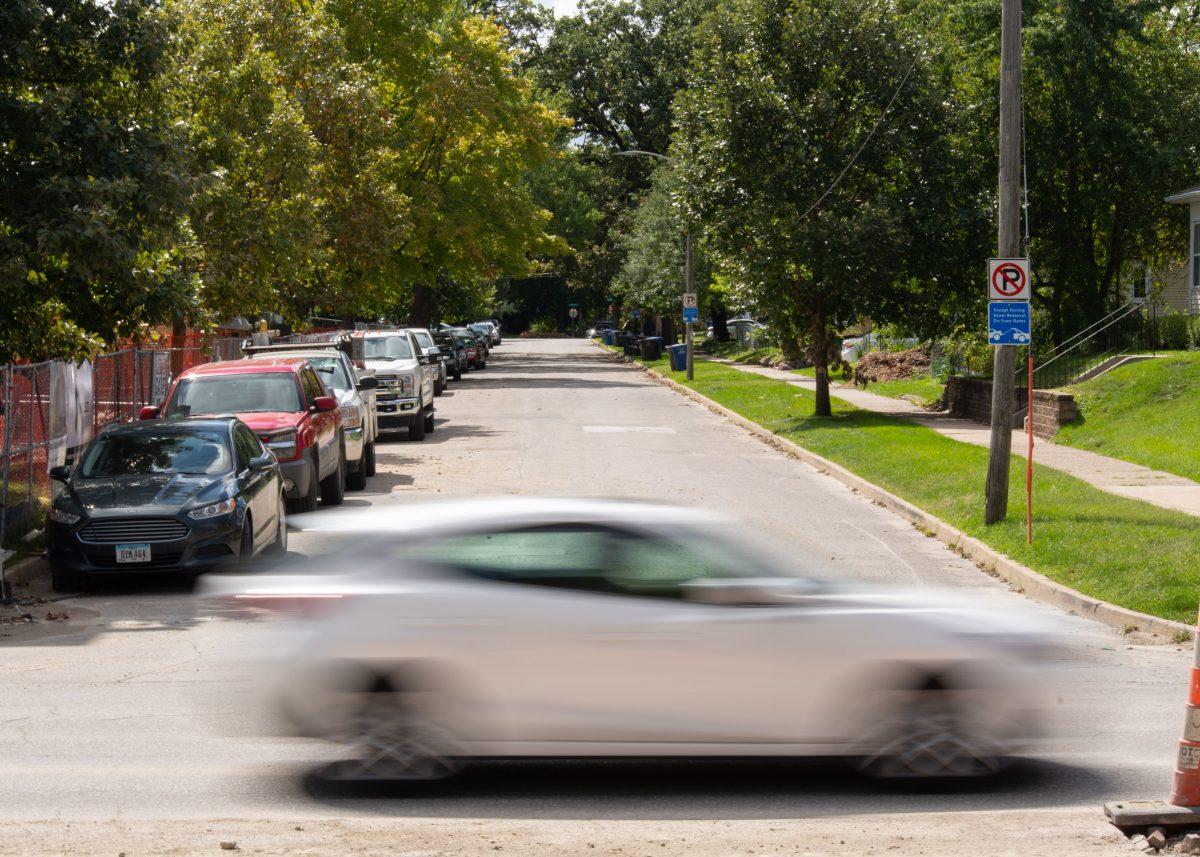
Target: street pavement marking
<point x="626" y="429"/>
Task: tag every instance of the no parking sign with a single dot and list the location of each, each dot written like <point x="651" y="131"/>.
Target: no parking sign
<point x="1008" y="280"/>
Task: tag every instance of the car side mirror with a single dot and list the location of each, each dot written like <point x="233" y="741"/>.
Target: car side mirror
<point x="368" y="383"/>
<point x="324" y="404"/>
<point x="424" y="360"/>
<point x="61" y="473"/>
<point x="148" y="412"/>
<point x="262" y="462"/>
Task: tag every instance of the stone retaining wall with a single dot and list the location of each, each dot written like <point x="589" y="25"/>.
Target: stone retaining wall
<point x="972" y="398"/>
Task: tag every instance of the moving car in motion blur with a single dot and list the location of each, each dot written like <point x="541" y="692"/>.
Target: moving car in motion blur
<point x="355" y="397"/>
<point x="545" y="627"/>
<point x="405" y="395"/>
<point x="165" y="495"/>
<point x="287" y="406"/>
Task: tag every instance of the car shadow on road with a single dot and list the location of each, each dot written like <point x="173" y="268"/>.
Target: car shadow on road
<point x="640" y="789"/>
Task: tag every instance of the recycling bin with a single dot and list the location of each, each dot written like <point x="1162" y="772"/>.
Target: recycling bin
<point x="678" y="357"/>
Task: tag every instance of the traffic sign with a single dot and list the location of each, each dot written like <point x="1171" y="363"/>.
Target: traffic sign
<point x="1009" y="323"/>
<point x="1008" y="280"/>
<point x="635" y="313"/>
<point x="691" y="308"/>
<point x="573" y="313"/>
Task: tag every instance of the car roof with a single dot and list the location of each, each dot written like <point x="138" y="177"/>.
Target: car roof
<point x="481" y="514"/>
<point x="179" y="424"/>
<point x="241" y="367"/>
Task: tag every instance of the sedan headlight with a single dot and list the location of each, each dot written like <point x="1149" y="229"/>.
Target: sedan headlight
<point x="282" y="444"/>
<point x="214" y="509"/>
<point x="62" y="516"/>
<point x="351" y="418"/>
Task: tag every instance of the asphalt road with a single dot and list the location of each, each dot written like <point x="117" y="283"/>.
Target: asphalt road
<point x="134" y="719"/>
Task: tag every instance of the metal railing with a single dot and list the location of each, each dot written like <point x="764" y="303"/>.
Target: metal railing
<point x="1125" y="330"/>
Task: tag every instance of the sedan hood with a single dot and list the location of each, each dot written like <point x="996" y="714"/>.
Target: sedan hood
<point x="271" y="420"/>
<point x="159" y="489"/>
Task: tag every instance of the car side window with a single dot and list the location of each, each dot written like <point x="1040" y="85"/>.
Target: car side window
<point x="246" y="445"/>
<point x="312" y="386"/>
<point x="582" y="557"/>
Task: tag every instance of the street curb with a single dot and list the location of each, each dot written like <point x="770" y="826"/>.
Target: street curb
<point x="24" y="571"/>
<point x="1023" y="578"/>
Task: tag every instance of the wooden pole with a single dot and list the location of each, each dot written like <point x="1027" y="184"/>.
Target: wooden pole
<point x="1004" y="364"/>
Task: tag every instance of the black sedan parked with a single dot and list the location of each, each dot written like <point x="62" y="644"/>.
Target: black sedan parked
<point x="454" y="352"/>
<point x="165" y="495"/>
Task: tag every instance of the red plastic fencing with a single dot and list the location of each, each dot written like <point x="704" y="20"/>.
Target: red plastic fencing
<point x="49" y="411"/>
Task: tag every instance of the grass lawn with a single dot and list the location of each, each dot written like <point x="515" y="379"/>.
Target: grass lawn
<point x="1147" y="412"/>
<point x="927" y="391"/>
<point x="1122" y="551"/>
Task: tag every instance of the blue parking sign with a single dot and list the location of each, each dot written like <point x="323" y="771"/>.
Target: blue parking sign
<point x="1009" y="323"/>
<point x="691" y="313"/>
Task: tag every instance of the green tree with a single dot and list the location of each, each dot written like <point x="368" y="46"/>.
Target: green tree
<point x="811" y="145"/>
<point x="93" y="234"/>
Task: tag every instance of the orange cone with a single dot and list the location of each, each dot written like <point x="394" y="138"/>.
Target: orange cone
<point x="1185" y="791"/>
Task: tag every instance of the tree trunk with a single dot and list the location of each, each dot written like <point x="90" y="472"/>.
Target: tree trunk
<point x="820" y="359"/>
<point x="419" y="317"/>
<point x="668" y="330"/>
<point x="720" y="321"/>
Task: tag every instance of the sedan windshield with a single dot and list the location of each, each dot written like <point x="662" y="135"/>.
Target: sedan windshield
<point x="236" y="394"/>
<point x="169" y="452"/>
<point x="387" y="348"/>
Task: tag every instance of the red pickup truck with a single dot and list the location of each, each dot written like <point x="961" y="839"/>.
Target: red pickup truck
<point x="287" y="406"/>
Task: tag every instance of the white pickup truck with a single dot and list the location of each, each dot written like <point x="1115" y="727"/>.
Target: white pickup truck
<point x="405" y="394"/>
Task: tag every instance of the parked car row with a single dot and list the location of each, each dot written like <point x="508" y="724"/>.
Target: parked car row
<point x="208" y="476"/>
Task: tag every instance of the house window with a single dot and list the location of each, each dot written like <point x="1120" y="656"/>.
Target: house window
<point x="1140" y="286"/>
<point x="1196" y="255"/>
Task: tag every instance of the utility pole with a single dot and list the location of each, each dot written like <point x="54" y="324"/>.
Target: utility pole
<point x="1004" y="367"/>
<point x="687" y="288"/>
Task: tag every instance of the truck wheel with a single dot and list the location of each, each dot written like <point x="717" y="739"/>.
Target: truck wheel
<point x="333" y="486"/>
<point x="356" y="479"/>
<point x="457" y="372"/>
<point x="429" y="422"/>
<point x="369" y="459"/>
<point x="416" y="431"/>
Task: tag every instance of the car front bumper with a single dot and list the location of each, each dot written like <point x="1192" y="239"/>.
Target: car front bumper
<point x="296" y="477"/>
<point x="209" y="543"/>
<point x="354" y="443"/>
<point x="399" y="412"/>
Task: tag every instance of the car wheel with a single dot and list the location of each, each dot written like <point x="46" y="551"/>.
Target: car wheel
<point x="65" y="580"/>
<point x="927" y="738"/>
<point x="356" y="479"/>
<point x="482" y="364"/>
<point x="333" y="486"/>
<point x="437" y="387"/>
<point x="416" y="431"/>
<point x="279" y="544"/>
<point x="246" y="546"/>
<point x="396" y="737"/>
<point x="458" y="373"/>
<point x="429" y="422"/>
<point x="368" y="464"/>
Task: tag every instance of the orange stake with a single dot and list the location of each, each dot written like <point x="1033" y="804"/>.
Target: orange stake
<point x="1029" y="461"/>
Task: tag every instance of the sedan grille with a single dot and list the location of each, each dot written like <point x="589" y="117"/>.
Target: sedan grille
<point x="122" y="530"/>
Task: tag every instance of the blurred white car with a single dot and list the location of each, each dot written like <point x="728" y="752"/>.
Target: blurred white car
<point x="578" y="628"/>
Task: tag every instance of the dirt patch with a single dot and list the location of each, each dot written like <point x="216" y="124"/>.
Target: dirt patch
<point x="875" y="366"/>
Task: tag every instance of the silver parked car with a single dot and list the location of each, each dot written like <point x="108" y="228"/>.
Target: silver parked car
<point x="524" y="627"/>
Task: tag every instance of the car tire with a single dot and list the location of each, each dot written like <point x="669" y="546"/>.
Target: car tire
<point x="333" y="486"/>
<point x="396" y="737"/>
<point x="927" y="738"/>
<point x="65" y="579"/>
<point x="307" y="503"/>
<point x="482" y="364"/>
<point x="356" y="479"/>
<point x="437" y="387"/>
<point x="458" y="373"/>
<point x="416" y="431"/>
<point x="429" y="422"/>
<point x="279" y="544"/>
<point x="246" y="542"/>
<point x="368" y="458"/>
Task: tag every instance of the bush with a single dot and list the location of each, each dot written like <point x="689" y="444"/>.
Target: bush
<point x="1173" y="332"/>
<point x="543" y="325"/>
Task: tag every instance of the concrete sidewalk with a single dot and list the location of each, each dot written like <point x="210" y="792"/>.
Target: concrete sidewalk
<point x="1108" y="474"/>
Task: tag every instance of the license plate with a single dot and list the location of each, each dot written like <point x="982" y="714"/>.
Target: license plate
<point x="133" y="553"/>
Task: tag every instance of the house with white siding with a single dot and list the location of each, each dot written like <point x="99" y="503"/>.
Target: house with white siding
<point x="1178" y="286"/>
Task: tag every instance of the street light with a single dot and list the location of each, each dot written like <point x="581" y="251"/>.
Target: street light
<point x="687" y="261"/>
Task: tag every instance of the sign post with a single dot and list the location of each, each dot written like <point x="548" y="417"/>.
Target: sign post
<point x="1010" y="322"/>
